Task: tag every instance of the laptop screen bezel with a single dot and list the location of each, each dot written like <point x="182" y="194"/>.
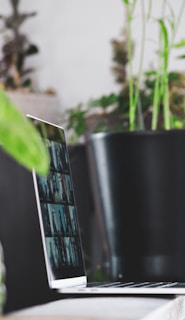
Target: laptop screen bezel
<point x="59" y="283"/>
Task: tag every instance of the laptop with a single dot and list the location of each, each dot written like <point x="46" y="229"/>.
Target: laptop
<point x="60" y="230"/>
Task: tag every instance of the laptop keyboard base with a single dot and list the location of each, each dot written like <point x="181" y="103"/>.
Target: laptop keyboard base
<point x="146" y="284"/>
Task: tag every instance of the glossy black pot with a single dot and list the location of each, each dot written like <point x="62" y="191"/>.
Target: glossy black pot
<point x="139" y="187"/>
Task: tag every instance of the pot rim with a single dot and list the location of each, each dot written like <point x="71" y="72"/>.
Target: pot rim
<point x="137" y="133"/>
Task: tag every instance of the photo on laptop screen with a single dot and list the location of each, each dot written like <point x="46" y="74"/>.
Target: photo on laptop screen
<point x="58" y="216"/>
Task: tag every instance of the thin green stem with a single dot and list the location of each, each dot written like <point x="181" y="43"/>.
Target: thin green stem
<point x="159" y="83"/>
<point x="156" y="102"/>
<point x="165" y="80"/>
<point x="166" y="104"/>
<point x="143" y="32"/>
<point x="157" y="88"/>
<point x="149" y="10"/>
<point x="134" y="88"/>
<point x="131" y="84"/>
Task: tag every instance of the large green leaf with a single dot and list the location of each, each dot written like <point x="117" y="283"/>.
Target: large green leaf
<point x="20" y="138"/>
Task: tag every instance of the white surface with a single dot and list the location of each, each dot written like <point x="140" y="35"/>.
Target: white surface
<point x="109" y="307"/>
<point x="174" y="310"/>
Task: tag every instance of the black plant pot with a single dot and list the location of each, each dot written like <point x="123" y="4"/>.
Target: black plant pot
<point x="139" y="187"/>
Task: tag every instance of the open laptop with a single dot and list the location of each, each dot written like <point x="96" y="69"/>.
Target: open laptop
<point x="60" y="228"/>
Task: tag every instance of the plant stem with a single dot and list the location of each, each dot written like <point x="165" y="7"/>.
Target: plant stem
<point x="143" y="31"/>
<point x="160" y="80"/>
<point x="165" y="80"/>
<point x="149" y="9"/>
<point x="166" y="110"/>
<point x="130" y="54"/>
<point x="134" y="89"/>
<point x="156" y="101"/>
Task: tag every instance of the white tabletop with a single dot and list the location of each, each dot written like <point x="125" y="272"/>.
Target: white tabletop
<point x="125" y="308"/>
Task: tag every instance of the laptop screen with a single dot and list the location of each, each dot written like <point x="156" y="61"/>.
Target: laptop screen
<point x="57" y="209"/>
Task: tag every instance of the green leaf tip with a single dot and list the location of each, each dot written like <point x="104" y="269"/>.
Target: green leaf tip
<point x="20" y="139"/>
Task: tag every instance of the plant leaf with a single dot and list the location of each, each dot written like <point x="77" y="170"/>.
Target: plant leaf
<point x="181" y="56"/>
<point x="150" y="73"/>
<point x="164" y="33"/>
<point x="20" y="139"/>
<point x="104" y="101"/>
<point x="179" y="44"/>
<point x="172" y="16"/>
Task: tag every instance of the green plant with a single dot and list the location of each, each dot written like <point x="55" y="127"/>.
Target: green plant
<point x="152" y="99"/>
<point x="134" y="84"/>
<point x="100" y="114"/>
<point x="20" y="139"/>
<point x="168" y="26"/>
<point x="16" y="49"/>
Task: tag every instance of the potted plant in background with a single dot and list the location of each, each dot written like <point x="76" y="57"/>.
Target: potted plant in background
<point x="138" y="175"/>
<point x="16" y="76"/>
<point x="21" y="140"/>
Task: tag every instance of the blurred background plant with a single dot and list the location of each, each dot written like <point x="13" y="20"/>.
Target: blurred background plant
<point x="111" y="112"/>
<point x="16" y="48"/>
